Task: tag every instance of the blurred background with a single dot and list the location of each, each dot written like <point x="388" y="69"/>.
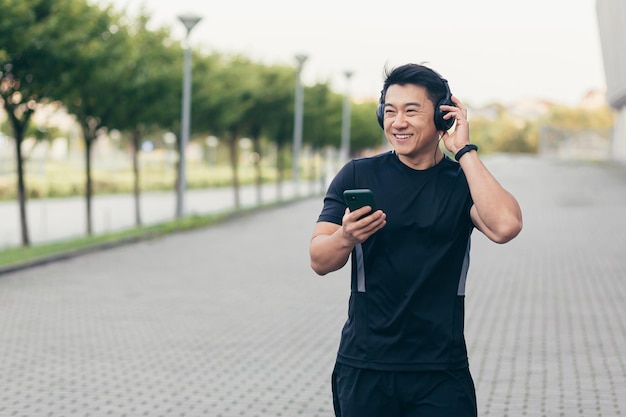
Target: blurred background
<point x="265" y="101"/>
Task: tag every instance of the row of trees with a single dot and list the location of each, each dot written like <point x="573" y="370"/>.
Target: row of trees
<point x="113" y="72"/>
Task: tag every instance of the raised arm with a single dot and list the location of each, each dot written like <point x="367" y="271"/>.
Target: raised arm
<point x="496" y="213"/>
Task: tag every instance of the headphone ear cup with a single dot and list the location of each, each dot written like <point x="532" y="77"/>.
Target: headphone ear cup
<point x="380" y="115"/>
<point x="440" y="122"/>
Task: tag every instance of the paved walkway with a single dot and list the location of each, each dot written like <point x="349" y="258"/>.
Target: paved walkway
<point x="230" y="321"/>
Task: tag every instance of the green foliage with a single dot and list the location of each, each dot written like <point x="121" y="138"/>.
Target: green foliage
<point x="578" y="118"/>
<point x="150" y="70"/>
<point x="504" y="134"/>
<point x="365" y="133"/>
<point x="60" y="180"/>
<point x="223" y="93"/>
<point x="508" y="133"/>
<point x="322" y="116"/>
<point x="93" y="86"/>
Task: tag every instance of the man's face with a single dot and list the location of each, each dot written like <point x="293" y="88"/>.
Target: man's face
<point x="409" y="122"/>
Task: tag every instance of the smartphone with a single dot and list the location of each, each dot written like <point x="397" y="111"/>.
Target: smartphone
<point x="355" y="199"/>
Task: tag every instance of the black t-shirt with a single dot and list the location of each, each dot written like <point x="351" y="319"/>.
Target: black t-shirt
<point x="406" y="309"/>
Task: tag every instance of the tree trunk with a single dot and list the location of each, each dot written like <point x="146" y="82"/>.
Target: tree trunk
<point x="89" y="185"/>
<point x="137" y="135"/>
<point x="19" y="127"/>
<point x="18" y="130"/>
<point x="280" y="166"/>
<point x="21" y="192"/>
<point x="256" y="141"/>
<point x="312" y="171"/>
<point x="89" y="136"/>
<point x="234" y="155"/>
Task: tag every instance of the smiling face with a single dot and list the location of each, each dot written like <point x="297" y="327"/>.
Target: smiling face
<point x="409" y="125"/>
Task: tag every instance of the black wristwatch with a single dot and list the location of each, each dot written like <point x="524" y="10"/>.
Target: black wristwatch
<point x="465" y="149"/>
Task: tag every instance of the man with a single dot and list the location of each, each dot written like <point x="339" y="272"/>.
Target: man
<point x="402" y="351"/>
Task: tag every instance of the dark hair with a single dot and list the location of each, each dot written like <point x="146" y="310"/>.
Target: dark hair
<point x="415" y="74"/>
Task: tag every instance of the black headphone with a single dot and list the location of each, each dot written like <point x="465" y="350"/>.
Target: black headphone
<point x="440" y="122"/>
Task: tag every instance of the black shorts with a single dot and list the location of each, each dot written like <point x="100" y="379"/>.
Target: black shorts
<point x="367" y="393"/>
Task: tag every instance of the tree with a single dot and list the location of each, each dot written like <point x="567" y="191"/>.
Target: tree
<point x="151" y="87"/>
<point x="579" y="118"/>
<point x="365" y="132"/>
<point x="223" y="100"/>
<point x="92" y="88"/>
<point x="322" y="118"/>
<point x="272" y="100"/>
<point x="278" y="115"/>
<point x="30" y="64"/>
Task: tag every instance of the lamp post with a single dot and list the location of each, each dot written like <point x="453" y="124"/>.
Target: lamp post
<point x="345" y="125"/>
<point x="297" y="123"/>
<point x="189" y="21"/>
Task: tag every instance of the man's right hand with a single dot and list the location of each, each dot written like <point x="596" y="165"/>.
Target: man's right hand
<point x="356" y="228"/>
<point x="332" y="244"/>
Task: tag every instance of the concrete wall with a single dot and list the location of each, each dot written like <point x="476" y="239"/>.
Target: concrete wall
<point x="611" y="16"/>
<point x="618" y="140"/>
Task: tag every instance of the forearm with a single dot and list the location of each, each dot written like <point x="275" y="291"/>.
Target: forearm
<point x="331" y="244"/>
<point x="498" y="211"/>
<point x="329" y="252"/>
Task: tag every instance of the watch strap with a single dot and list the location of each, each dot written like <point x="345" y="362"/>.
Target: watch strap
<point x="465" y="149"/>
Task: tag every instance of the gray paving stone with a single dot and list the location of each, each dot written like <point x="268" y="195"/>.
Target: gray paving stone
<point x="230" y="321"/>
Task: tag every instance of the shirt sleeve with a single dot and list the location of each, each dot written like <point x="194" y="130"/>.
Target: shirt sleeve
<point x="334" y="206"/>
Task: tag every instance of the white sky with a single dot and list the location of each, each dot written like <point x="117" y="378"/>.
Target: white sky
<point x="489" y="50"/>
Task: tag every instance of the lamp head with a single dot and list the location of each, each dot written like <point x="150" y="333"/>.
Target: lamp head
<point x="189" y="20"/>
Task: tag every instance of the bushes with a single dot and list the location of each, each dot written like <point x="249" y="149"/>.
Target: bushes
<point x="64" y="180"/>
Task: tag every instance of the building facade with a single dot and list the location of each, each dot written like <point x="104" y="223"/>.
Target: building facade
<point x="611" y="16"/>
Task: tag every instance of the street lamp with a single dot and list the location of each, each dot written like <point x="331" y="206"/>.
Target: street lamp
<point x="345" y="125"/>
<point x="297" y="124"/>
<point x="189" y="21"/>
